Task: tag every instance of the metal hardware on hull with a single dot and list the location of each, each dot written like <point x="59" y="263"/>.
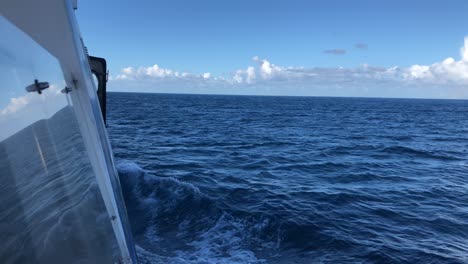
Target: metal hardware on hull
<point x="37" y="87"/>
<point x="66" y="90"/>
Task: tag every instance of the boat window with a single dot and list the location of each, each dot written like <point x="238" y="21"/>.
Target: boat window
<point x="51" y="209"/>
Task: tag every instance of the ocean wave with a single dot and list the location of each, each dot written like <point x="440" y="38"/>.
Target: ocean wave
<point x="323" y="166"/>
<point x="401" y="150"/>
<point x="308" y="182"/>
<point x="353" y="178"/>
<point x="170" y="216"/>
<point x="174" y="222"/>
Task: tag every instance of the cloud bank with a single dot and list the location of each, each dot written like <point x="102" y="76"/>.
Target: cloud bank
<point x="445" y="79"/>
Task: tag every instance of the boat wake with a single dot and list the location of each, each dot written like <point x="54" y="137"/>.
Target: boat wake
<point x="173" y="222"/>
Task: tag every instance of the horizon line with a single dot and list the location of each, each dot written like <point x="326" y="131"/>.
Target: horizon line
<point x="280" y="95"/>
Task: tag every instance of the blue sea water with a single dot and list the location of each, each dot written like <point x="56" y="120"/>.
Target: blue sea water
<point x="244" y="179"/>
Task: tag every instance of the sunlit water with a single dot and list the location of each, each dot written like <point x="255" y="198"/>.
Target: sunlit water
<point x="238" y="179"/>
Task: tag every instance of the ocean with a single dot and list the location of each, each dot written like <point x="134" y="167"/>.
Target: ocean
<point x="254" y="179"/>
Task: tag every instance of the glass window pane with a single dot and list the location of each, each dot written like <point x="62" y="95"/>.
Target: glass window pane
<point x="51" y="209"/>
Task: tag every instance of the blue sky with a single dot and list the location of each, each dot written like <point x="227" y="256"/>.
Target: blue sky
<point x="222" y="37"/>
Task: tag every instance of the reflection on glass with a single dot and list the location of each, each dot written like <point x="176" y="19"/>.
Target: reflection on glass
<point x="51" y="210"/>
<point x="95" y="80"/>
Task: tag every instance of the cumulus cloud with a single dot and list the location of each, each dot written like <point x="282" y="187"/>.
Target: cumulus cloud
<point x="15" y="105"/>
<point x="206" y="75"/>
<point x="442" y="79"/>
<point x="248" y="75"/>
<point x="447" y="71"/>
<point x="267" y="69"/>
<point x="335" y="51"/>
<point x="156" y="72"/>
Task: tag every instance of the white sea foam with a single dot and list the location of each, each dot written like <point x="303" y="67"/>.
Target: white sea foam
<point x="222" y="243"/>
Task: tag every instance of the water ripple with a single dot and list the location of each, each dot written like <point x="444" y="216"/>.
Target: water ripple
<point x="226" y="179"/>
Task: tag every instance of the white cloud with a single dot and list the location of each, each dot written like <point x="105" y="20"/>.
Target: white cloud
<point x="447" y="71"/>
<point x="250" y="74"/>
<point x="128" y="70"/>
<point x="247" y="76"/>
<point x="206" y="75"/>
<point x="155" y="72"/>
<point x="464" y="50"/>
<point x="418" y="72"/>
<point x="441" y="79"/>
<point x="15" y="105"/>
<point x="267" y="69"/>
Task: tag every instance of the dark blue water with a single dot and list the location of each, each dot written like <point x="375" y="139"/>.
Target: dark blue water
<point x="238" y="179"/>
